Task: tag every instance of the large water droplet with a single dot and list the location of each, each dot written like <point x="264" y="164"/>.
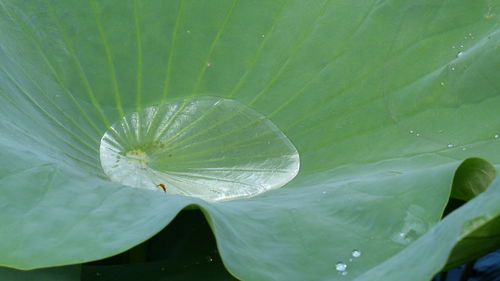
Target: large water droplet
<point x="340" y="266"/>
<point x="356" y="253"/>
<point x="207" y="147"/>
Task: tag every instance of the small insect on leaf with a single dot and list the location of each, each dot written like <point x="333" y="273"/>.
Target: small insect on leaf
<point x="162" y="186"/>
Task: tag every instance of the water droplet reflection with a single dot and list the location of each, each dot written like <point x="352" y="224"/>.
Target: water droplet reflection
<point x="340" y="266"/>
<point x="356" y="253"/>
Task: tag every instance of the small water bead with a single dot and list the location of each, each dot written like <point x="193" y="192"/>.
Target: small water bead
<point x="442" y="83"/>
<point x="461" y="46"/>
<point x="411" y="132"/>
<point x="344" y="273"/>
<point x="356" y="253"/>
<point x="418" y="135"/>
<point x="340" y="266"/>
<point x="452" y="68"/>
<point x="496" y="136"/>
<point x="450" y="145"/>
<point x="460" y="54"/>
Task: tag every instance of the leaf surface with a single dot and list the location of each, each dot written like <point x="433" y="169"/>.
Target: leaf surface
<point x="382" y="99"/>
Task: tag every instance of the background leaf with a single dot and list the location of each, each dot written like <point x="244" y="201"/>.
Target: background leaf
<point x="473" y="176"/>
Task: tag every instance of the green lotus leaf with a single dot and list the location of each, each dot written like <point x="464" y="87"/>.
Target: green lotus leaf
<point x="383" y="100"/>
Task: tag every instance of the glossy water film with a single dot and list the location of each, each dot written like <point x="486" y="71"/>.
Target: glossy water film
<point x="212" y="148"/>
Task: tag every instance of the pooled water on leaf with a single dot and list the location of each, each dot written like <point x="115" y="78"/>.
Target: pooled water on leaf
<point x="207" y="147"/>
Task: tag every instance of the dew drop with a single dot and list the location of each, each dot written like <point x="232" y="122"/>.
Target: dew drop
<point x="188" y="31"/>
<point x="344" y="273"/>
<point x="450" y="145"/>
<point x="460" y="54"/>
<point x="417" y="134"/>
<point x="402" y="234"/>
<point x="496" y="136"/>
<point x="324" y="192"/>
<point x="461" y="46"/>
<point x="209" y="259"/>
<point x="442" y="83"/>
<point x="411" y="132"/>
<point x="208" y="64"/>
<point x="452" y="68"/>
<point x="340" y="266"/>
<point x="453" y="47"/>
<point x="194" y="147"/>
<point x="356" y="253"/>
<point x="262" y="36"/>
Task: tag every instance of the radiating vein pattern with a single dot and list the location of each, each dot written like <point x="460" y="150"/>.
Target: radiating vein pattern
<point x="190" y="147"/>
